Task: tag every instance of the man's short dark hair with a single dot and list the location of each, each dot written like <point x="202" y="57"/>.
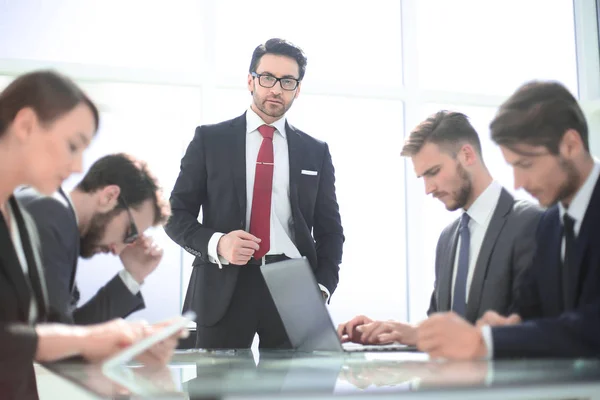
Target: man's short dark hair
<point x="538" y="114"/>
<point x="279" y="47"/>
<point x="448" y="129"/>
<point x="134" y="179"/>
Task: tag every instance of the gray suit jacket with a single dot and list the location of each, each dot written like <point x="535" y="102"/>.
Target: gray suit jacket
<point x="59" y="234"/>
<point x="506" y="252"/>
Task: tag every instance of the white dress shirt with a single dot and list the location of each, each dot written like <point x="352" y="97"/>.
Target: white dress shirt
<point x="282" y="241"/>
<point x="128" y="280"/>
<point x="576" y="210"/>
<point x="18" y="245"/>
<point x="480" y="214"/>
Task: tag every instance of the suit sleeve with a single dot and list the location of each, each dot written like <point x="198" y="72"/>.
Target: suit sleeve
<point x="327" y="230"/>
<point x="18" y="342"/>
<point x="188" y="195"/>
<point x="573" y="334"/>
<point x="113" y="300"/>
<point x="525" y="300"/>
<point x="57" y="238"/>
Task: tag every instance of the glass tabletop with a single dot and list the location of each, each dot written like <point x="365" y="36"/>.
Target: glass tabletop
<point x="244" y="373"/>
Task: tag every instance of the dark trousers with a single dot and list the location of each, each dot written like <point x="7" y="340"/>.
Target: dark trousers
<point x="250" y="311"/>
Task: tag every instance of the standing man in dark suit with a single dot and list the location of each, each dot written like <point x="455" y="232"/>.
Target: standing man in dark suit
<point x="480" y="257"/>
<point x="108" y="211"/>
<point x="543" y="134"/>
<point x="267" y="193"/>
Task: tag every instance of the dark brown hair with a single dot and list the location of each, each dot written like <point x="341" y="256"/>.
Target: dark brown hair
<point x="447" y="129"/>
<point x="538" y="114"/>
<point x="134" y="179"/>
<point x="48" y="93"/>
<point x="279" y="47"/>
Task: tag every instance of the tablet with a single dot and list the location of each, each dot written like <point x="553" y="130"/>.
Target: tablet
<point x="138" y="348"/>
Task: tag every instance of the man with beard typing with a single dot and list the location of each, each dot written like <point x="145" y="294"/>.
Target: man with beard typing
<point x="107" y="212"/>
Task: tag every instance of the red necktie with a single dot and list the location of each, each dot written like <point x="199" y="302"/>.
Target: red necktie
<point x="260" y="216"/>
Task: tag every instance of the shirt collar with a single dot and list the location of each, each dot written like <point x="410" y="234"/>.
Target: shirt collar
<point x="582" y="198"/>
<point x="67" y="196"/>
<point x="253" y="121"/>
<point x="483" y="207"/>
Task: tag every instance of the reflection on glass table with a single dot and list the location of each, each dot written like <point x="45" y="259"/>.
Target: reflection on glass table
<point x="242" y="373"/>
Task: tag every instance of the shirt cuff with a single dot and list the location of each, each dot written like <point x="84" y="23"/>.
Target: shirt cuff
<point x="213" y="254"/>
<point x="129" y="281"/>
<point x="324" y="289"/>
<point x="486" y="332"/>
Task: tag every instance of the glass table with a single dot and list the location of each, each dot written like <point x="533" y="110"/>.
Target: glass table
<point x="197" y="374"/>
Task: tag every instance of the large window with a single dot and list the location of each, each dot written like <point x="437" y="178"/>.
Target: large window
<point x="375" y="70"/>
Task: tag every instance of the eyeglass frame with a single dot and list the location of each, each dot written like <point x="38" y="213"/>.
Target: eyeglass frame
<point x="257" y="75"/>
<point x="132" y="234"/>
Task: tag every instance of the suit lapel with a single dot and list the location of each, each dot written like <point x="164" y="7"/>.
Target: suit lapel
<point x="503" y="208"/>
<point x="294" y="150"/>
<point x="590" y="222"/>
<point x="76" y="250"/>
<point x="238" y="132"/>
<point x="553" y="259"/>
<point x="36" y="276"/>
<point x="13" y="269"/>
<point x="445" y="278"/>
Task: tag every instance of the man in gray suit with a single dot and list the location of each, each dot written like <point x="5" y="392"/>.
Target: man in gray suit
<point x="481" y="256"/>
<point x="108" y="211"/>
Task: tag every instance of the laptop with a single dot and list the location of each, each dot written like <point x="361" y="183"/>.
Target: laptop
<point x="299" y="301"/>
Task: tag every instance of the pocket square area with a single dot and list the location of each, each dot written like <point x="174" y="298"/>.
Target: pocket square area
<point x="308" y="172"/>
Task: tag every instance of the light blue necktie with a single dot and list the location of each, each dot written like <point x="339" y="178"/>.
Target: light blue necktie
<point x="459" y="301"/>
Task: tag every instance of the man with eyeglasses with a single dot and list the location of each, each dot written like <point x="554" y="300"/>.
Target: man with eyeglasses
<point x="267" y="193"/>
<point x="107" y="212"/>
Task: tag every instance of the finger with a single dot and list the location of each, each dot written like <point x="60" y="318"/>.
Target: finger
<point x="353" y="325"/>
<point x="374" y="335"/>
<point x="366" y="330"/>
<point x="388" y="338"/>
<point x="513" y="319"/>
<point x="246" y="236"/>
<point x="245" y="252"/>
<point x="248" y="244"/>
<point x="345" y="339"/>
<point x="156" y="252"/>
<point x="341" y="328"/>
<point x="183" y="334"/>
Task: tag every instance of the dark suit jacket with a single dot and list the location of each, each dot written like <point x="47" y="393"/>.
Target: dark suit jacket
<point x="506" y="252"/>
<point x="57" y="226"/>
<point x="551" y="329"/>
<point x="18" y="340"/>
<point x="213" y="177"/>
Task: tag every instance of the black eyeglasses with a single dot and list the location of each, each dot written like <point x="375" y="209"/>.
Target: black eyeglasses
<point x="268" y="81"/>
<point x="132" y="233"/>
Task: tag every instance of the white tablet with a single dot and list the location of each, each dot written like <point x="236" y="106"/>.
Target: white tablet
<point x="138" y="348"/>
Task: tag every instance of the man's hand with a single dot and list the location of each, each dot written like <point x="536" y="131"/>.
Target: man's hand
<point x="347" y="332"/>
<point x="492" y="318"/>
<point x="141" y="258"/>
<point x="447" y="335"/>
<point x="237" y="247"/>
<point x="386" y="332"/>
<point x="101" y="341"/>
